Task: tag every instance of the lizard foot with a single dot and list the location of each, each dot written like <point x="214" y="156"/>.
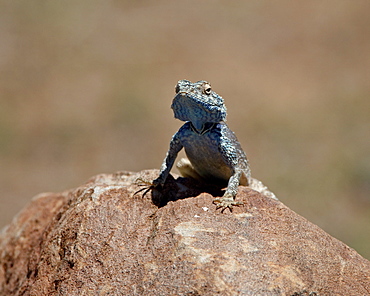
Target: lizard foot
<point x="226" y="202"/>
<point x="147" y="186"/>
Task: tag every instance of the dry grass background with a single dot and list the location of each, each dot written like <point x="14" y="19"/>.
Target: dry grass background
<point x="86" y="88"/>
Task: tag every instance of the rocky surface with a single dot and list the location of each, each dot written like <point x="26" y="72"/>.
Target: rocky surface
<point x="99" y="239"/>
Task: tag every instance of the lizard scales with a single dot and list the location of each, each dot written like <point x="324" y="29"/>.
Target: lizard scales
<point x="214" y="153"/>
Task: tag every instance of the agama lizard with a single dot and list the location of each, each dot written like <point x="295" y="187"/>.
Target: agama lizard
<point x="214" y="153"/>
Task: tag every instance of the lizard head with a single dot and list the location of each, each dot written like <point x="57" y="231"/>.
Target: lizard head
<point x="198" y="103"/>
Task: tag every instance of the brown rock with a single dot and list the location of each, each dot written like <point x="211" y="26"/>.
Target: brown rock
<point x="100" y="240"/>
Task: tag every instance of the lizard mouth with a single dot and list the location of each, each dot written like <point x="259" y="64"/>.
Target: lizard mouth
<point x="200" y="100"/>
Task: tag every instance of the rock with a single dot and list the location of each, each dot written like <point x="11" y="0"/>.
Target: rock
<point x="99" y="239"/>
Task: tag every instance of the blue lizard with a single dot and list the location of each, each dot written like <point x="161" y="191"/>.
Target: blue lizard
<point x="214" y="153"/>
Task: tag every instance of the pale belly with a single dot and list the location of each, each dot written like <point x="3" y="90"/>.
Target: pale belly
<point x="205" y="156"/>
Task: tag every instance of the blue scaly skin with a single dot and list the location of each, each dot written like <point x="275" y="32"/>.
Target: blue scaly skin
<point x="214" y="153"/>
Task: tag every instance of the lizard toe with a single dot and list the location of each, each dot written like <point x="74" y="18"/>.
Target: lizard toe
<point x="226" y="202"/>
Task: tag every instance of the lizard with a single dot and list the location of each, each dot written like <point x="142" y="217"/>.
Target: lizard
<point x="214" y="152"/>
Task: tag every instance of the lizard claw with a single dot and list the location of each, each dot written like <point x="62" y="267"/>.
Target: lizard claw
<point x="147" y="185"/>
<point x="226" y="202"/>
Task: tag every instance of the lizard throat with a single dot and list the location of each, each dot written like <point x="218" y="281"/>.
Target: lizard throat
<point x="205" y="127"/>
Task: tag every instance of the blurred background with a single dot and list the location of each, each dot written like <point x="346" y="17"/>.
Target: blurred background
<point x="86" y="88"/>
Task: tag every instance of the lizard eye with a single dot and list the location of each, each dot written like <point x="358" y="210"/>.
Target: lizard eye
<point x="207" y="89"/>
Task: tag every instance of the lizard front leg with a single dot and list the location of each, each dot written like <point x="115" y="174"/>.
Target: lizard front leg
<point x="227" y="200"/>
<point x="175" y="147"/>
